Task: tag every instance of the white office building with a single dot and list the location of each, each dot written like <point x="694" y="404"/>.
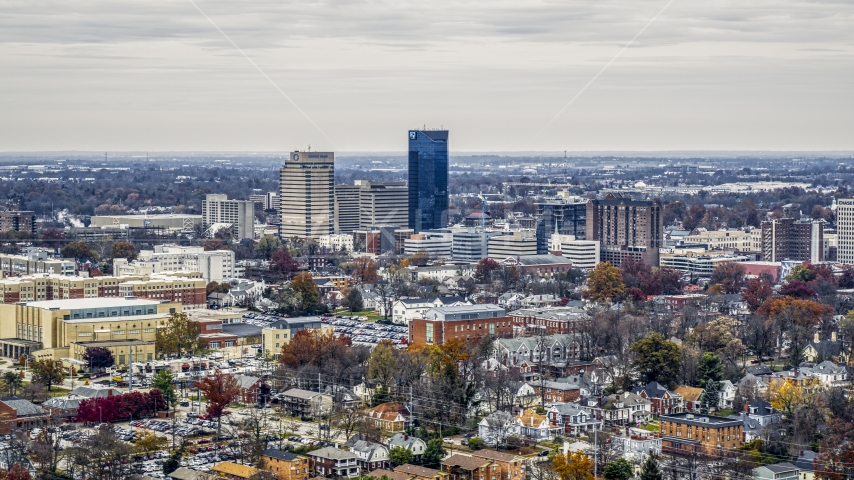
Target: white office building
<point x="845" y="231"/>
<point x="236" y="215"/>
<point x="583" y="254"/>
<point x="215" y="265"/>
<point x="434" y="245"/>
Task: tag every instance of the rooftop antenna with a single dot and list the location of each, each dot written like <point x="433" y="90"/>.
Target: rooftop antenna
<point x="309" y="147"/>
<point x="105" y="157"/>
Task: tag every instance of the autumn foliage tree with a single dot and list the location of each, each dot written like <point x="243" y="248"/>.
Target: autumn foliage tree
<point x="98" y="357"/>
<point x="730" y="276"/>
<point x="483" y="270"/>
<point x="283" y="264"/>
<point x="756" y="291"/>
<point x="605" y="283"/>
<point x="47" y="372"/>
<point x="121" y="407"/>
<point x="365" y="271"/>
<point x="306" y="290"/>
<point x="123" y="250"/>
<point x="312" y="347"/>
<point x="797" y="320"/>
<point x="221" y="390"/>
<point x="573" y="466"/>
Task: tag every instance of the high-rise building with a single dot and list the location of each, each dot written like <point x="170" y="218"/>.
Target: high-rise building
<point x="471" y="245"/>
<point x="624" y="227"/>
<point x="346" y="208"/>
<point x="500" y="247"/>
<point x="428" y="179"/>
<point x="382" y="203"/>
<point x="567" y="215"/>
<point x="238" y="215"/>
<point x="307" y="202"/>
<point x="845" y="231"/>
<point x="790" y="239"/>
<point x="18" y="221"/>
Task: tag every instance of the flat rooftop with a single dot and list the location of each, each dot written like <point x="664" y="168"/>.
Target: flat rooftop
<point x="80" y="303"/>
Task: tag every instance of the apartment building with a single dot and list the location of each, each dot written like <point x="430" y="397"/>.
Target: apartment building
<point x="19" y="221"/>
<point x="35" y="261"/>
<point x="187" y="289"/>
<point x="795" y="240"/>
<point x="689" y="433"/>
<point x="467" y="322"/>
<point x="624" y="227"/>
<point x="336" y="242"/>
<point x="723" y="239"/>
<point x="214" y="265"/>
<point x="286" y="465"/>
<point x="238" y="215"/>
<point x="845" y="230"/>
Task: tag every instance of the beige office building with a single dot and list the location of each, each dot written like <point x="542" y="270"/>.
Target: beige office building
<point x="237" y="215"/>
<point x="307" y="205"/>
<point x="346" y="209"/>
<point x="383" y="204"/>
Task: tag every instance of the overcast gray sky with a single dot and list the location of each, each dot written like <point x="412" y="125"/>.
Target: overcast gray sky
<point x="156" y="75"/>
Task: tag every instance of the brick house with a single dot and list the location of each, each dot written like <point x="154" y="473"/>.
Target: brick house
<point x="333" y="462"/>
<point x="664" y="402"/>
<point x="690" y="397"/>
<point x="19" y="414"/>
<point x="234" y="471"/>
<point x="511" y="467"/>
<point x="286" y="465"/>
<point x="252" y="389"/>
<point x="687" y="433"/>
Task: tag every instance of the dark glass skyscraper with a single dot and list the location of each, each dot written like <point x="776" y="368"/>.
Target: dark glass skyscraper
<point x="428" y="179"/>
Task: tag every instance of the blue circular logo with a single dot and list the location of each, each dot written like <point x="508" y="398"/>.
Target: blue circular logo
<point x="296" y="156"/>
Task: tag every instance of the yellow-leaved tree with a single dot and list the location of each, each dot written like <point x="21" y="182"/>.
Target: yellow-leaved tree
<point x="787" y="395"/>
<point x="605" y="283"/>
<point x="573" y="466"/>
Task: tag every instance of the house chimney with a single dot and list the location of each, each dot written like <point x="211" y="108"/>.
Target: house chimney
<point x="833" y="336"/>
<point x="816" y="338"/>
<point x="746" y="407"/>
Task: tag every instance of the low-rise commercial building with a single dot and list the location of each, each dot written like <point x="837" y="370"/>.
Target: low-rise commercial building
<point x="214" y="265"/>
<point x="583" y="254"/>
<point x="35" y="261"/>
<point x="286" y="465"/>
<point x="700" y="265"/>
<point x="280" y="333"/>
<point x="689" y="433"/>
<point x="433" y="245"/>
<point x="172" y="222"/>
<point x="466" y="322"/>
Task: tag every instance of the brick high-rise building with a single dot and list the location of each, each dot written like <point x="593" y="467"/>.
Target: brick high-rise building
<point x="790" y="239"/>
<point x="18" y="221"/>
<point x="624" y="227"/>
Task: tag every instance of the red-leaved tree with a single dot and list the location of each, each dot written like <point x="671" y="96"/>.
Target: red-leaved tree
<point x="220" y="389"/>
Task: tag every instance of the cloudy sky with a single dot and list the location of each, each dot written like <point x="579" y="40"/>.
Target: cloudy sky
<point x="157" y="75"/>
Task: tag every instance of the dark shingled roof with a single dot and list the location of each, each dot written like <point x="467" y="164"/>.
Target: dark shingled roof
<point x="279" y="454"/>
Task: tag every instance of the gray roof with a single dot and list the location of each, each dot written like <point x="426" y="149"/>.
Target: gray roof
<point x="24" y="408"/>
<point x="300" y="393"/>
<point x="63" y="403"/>
<point x="246" y="381"/>
<point x="700" y="419"/>
<point x="781" y="467"/>
<point x="185" y="473"/>
<point x="94" y="392"/>
<point x="805" y="461"/>
<point x="403" y="440"/>
<point x="333" y="453"/>
<point x="543" y="260"/>
<point x="242" y="330"/>
<point x="279" y="454"/>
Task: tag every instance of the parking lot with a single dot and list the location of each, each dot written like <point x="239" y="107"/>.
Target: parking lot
<point x="367" y="333"/>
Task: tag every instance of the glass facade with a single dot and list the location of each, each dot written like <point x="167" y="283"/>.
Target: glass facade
<point x="428" y="179"/>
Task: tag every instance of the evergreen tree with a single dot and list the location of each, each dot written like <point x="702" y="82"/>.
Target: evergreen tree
<point x="380" y="396"/>
<point x="709" y="368"/>
<point x="711" y="396"/>
<point x="354" y="301"/>
<point x="433" y="454"/>
<point x="619" y="469"/>
<point x="650" y="470"/>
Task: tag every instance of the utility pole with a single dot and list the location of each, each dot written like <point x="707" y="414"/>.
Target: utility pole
<point x="595" y="450"/>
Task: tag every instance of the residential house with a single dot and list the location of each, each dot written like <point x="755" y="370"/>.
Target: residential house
<point x="829" y="373"/>
<point x="572" y="419"/>
<point x="389" y="474"/>
<point x="234" y="471"/>
<point x="806" y="463"/>
<point x="343" y="396"/>
<point x="63" y="407"/>
<point x="690" y="397"/>
<point x="250" y="387"/>
<point x="663" y="401"/>
<point x="185" y="473"/>
<point x="409" y="442"/>
<point x="763" y="412"/>
<point x="777" y="471"/>
<point x="371" y="455"/>
<point x="497" y="426"/>
<point x="536" y="426"/>
<point x="305" y="403"/>
<point x="19" y="414"/>
<point x="567" y="389"/>
<point x="619" y="409"/>
<point x="524" y="395"/>
<point x="510" y="466"/>
<point x="421" y="473"/>
<point x="463" y="467"/>
<point x="759" y="370"/>
<point x="333" y="462"/>
<point x="390" y="417"/>
<point x="286" y="465"/>
<point x="726" y="394"/>
<point x="637" y="443"/>
<point x="364" y="391"/>
<point x="819" y="349"/>
<point x="693" y="433"/>
<point x="407" y="309"/>
<point x="752" y="385"/>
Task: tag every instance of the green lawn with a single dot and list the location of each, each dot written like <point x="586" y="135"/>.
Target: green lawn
<point x="372" y="315"/>
<point x="652" y="427"/>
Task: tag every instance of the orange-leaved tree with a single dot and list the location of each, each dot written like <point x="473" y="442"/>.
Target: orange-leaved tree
<point x="797" y="319"/>
<point x="605" y="283"/>
<point x="573" y="466"/>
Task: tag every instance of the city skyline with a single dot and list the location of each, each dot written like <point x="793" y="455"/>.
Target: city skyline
<point x="724" y="76"/>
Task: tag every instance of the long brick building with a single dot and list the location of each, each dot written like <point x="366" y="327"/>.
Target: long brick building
<point x="468" y="322"/>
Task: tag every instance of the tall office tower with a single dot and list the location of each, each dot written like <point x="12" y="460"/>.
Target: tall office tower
<point x="383" y="203"/>
<point x="624" y="227"/>
<point x="790" y="239"/>
<point x="346" y="208"/>
<point x="428" y="179"/>
<point x="307" y="202"/>
<point x="239" y="215"/>
<point x="845" y="230"/>
<point x="568" y="215"/>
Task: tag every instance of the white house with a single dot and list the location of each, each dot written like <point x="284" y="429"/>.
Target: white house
<point x="496" y="427"/>
<point x="572" y="419"/>
<point x="371" y="455"/>
<point x="413" y="444"/>
<point x="828" y="373"/>
<point x="726" y="394"/>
